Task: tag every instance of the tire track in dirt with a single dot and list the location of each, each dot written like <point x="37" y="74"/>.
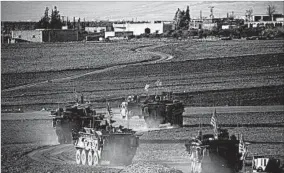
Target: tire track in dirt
<point x="59" y="154"/>
<point x="53" y="154"/>
<point x="162" y="57"/>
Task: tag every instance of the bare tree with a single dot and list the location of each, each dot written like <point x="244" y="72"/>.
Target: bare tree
<point x="271" y="9"/>
<point x="249" y="14"/>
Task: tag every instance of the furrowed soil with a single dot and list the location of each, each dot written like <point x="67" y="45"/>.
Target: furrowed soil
<point x="222" y="73"/>
<point x="244" y="73"/>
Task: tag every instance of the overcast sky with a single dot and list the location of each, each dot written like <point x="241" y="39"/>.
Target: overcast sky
<point x="119" y="10"/>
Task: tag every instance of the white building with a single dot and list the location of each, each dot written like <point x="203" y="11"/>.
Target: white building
<point x="109" y="34"/>
<point x="263" y="20"/>
<point x="140" y="28"/>
<point x="95" y="29"/>
<point x="28" y="35"/>
<point x="45" y="35"/>
<point x="209" y="26"/>
<point x="229" y="26"/>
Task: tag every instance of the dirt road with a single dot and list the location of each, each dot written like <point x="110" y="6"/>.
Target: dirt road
<point x="162" y="147"/>
<point x="161" y="57"/>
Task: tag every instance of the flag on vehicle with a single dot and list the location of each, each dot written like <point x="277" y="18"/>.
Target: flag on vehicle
<point x="213" y="122"/>
<point x="147" y="87"/>
<point x="158" y="83"/>
<point x="242" y="147"/>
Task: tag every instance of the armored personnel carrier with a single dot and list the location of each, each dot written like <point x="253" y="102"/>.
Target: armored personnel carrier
<point x="69" y="120"/>
<point x="105" y="145"/>
<point x="156" y="109"/>
<point x="209" y="154"/>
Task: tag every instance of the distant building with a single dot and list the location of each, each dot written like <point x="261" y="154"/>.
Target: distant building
<point x="123" y="34"/>
<point x="219" y="23"/>
<point x="28" y="35"/>
<point x="168" y="26"/>
<point x="229" y="27"/>
<point x="138" y="28"/>
<point x="264" y="20"/>
<point x="43" y="35"/>
<point x="209" y="26"/>
<point x="118" y="34"/>
<point x="95" y="29"/>
<point x="109" y="34"/>
<point x="196" y="24"/>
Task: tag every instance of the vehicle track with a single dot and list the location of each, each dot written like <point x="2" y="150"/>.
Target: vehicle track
<point x="64" y="154"/>
<point x="59" y="154"/>
<point x="162" y="57"/>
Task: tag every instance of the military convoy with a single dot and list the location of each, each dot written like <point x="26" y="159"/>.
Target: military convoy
<point x="95" y="139"/>
<point x="98" y="142"/>
<point x="155" y="109"/>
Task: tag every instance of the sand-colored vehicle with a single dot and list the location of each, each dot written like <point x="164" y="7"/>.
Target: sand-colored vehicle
<point x="155" y="109"/>
<point x="106" y="144"/>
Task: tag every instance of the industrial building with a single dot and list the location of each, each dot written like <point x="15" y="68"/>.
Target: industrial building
<point x="95" y="29"/>
<point x="264" y="20"/>
<point x="44" y="35"/>
<point x="138" y="28"/>
<point x="118" y="34"/>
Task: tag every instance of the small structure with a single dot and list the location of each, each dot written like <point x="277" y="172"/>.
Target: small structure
<point x="264" y="20"/>
<point x="28" y="35"/>
<point x="109" y="34"/>
<point x="139" y="28"/>
<point x="196" y="24"/>
<point x="229" y="26"/>
<point x="95" y="29"/>
<point x="209" y="24"/>
<point x="118" y="34"/>
<point x="45" y="35"/>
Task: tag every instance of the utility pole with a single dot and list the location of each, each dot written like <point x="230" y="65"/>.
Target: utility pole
<point x="211" y="12"/>
<point x="74" y="23"/>
<point x="63" y="18"/>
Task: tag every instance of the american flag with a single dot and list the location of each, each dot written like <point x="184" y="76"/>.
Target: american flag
<point x="213" y="122"/>
<point x="242" y="147"/>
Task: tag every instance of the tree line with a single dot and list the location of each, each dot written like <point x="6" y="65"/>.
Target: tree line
<point x="182" y="26"/>
<point x="50" y="22"/>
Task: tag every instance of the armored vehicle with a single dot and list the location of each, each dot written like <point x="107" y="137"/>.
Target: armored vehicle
<point x="156" y="109"/>
<point x="210" y="154"/>
<point x="266" y="164"/>
<point x="105" y="144"/>
<point x="69" y="120"/>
